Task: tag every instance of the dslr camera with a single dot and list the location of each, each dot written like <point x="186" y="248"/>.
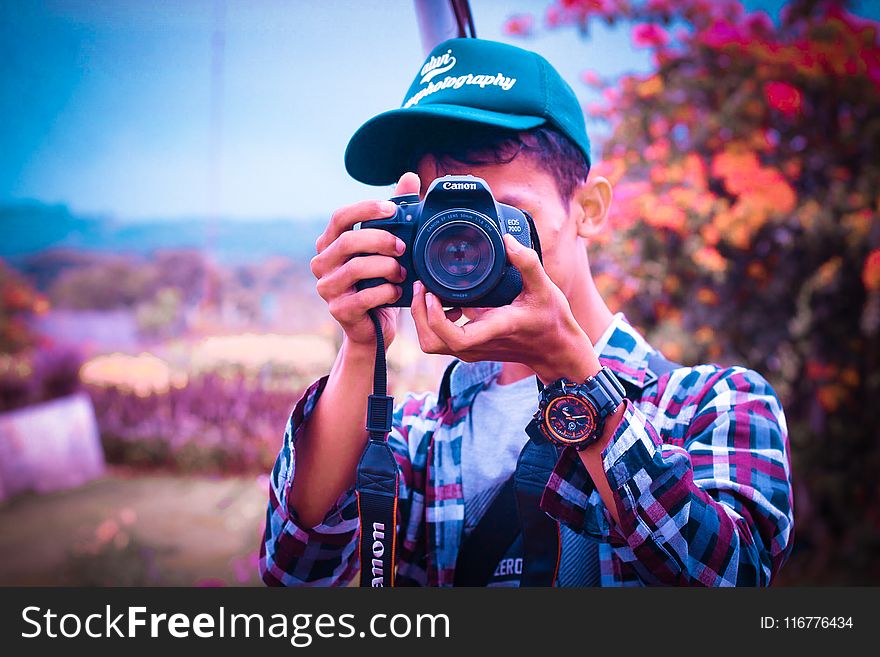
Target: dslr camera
<point x="454" y="243"/>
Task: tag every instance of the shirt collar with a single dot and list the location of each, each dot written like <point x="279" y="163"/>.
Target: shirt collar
<point x="624" y="351"/>
<point x="620" y="348"/>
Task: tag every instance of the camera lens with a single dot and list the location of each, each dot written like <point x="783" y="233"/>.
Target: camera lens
<point x="459" y="255"/>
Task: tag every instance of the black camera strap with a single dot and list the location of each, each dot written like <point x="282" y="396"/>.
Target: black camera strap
<point x="378" y="480"/>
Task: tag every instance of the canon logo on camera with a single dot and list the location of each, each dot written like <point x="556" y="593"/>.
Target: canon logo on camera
<point x="459" y="185"/>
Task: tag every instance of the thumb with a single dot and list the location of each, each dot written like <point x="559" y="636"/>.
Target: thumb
<point x="409" y="183"/>
<point x="526" y="260"/>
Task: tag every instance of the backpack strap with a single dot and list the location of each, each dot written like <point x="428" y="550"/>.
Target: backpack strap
<point x="445" y="391"/>
<point x="542" y="542"/>
<point x="489" y="541"/>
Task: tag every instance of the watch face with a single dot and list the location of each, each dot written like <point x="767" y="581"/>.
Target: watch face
<point x="570" y="419"/>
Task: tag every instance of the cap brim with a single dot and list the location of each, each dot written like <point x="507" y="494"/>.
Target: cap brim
<point x="379" y="151"/>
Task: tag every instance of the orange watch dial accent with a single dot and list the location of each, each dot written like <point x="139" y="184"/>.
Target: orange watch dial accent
<point x="570" y="420"/>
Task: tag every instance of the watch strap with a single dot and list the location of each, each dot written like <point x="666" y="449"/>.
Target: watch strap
<point x="604" y="391"/>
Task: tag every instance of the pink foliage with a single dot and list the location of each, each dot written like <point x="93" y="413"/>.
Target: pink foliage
<point x="649" y="35"/>
<point x="723" y="33"/>
<point x="519" y="25"/>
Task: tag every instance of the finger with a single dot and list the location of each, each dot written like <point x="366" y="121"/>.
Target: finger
<point x="409" y="183"/>
<point x="493" y="323"/>
<point x="351" y="308"/>
<point x="344" y="218"/>
<point x="357" y="269"/>
<point x="451" y="334"/>
<point x="527" y="261"/>
<point x="429" y="342"/>
<point x="371" y="241"/>
<point x="468" y="336"/>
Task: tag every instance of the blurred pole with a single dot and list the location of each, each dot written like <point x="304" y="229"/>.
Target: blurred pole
<point x="210" y="299"/>
<point x="443" y="19"/>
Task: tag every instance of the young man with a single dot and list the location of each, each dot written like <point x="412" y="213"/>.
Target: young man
<point x="686" y="480"/>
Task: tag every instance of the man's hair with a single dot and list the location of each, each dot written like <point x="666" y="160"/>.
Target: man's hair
<point x="547" y="147"/>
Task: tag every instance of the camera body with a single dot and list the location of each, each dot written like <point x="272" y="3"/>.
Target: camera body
<point x="454" y="243"/>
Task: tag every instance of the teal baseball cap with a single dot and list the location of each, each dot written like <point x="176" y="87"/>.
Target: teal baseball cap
<point x="466" y="83"/>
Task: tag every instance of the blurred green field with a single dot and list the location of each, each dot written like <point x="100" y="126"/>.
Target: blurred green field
<point x="149" y="529"/>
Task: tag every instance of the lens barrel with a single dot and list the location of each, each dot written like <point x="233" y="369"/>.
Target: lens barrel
<point x="459" y="255"/>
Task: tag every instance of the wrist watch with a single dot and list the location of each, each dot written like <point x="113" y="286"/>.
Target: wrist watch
<point x="574" y="414"/>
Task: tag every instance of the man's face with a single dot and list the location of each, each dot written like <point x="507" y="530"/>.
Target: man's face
<point x="524" y="185"/>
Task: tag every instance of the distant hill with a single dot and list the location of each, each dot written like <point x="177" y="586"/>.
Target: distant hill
<point x="30" y="228"/>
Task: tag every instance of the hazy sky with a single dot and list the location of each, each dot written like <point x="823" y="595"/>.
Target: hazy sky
<point x="106" y="105"/>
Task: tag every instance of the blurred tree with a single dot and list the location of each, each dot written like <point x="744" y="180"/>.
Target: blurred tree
<point x="183" y="270"/>
<point x="161" y="316"/>
<point x="107" y="282"/>
<point x="31" y="368"/>
<point x="18" y="302"/>
<point x="112" y="282"/>
<point x="43" y="267"/>
<point x="745" y="229"/>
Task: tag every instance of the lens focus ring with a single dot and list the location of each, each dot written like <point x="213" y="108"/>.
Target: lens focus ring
<point x="459" y="255"/>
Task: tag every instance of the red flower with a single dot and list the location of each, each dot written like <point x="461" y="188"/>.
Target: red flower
<point x="660" y="6"/>
<point x="759" y="23"/>
<point x="591" y="78"/>
<point x="519" y="25"/>
<point x="784" y="97"/>
<point x="721" y="33"/>
<point x="871" y="272"/>
<point x="648" y="35"/>
<point x="585" y="8"/>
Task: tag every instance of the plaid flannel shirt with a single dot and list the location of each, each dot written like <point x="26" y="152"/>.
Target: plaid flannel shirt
<point x="699" y="469"/>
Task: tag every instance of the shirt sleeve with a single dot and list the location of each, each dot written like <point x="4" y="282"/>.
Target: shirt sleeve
<point x="712" y="507"/>
<point x="292" y="554"/>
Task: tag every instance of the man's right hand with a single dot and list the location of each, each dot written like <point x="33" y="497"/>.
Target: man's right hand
<point x="338" y="267"/>
<point x="333" y="438"/>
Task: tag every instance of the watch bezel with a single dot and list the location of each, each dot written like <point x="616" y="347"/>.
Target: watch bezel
<point x="553" y="435"/>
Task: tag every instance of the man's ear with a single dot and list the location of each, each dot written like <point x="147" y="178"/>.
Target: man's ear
<point x="593" y="200"/>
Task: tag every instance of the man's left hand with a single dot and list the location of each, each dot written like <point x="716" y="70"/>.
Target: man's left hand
<point x="538" y="329"/>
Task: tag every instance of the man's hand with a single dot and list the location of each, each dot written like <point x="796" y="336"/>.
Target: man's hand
<point x="338" y="269"/>
<point x="333" y="438"/>
<point x="538" y="329"/>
